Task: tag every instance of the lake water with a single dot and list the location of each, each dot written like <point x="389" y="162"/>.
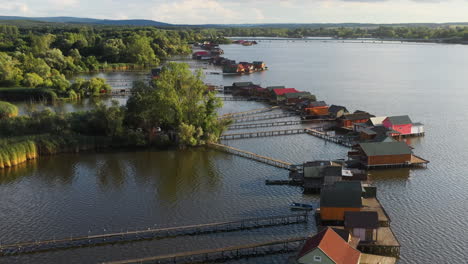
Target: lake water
<point x="102" y="192"/>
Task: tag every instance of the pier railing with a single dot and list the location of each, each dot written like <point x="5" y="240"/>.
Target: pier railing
<point x="251" y="112"/>
<point x="262" y="117"/>
<point x="147" y="234"/>
<point x="256" y="134"/>
<point x="249" y="155"/>
<point x="223" y="254"/>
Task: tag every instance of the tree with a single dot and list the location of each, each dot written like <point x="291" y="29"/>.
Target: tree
<point x="10" y="73"/>
<point x="32" y="80"/>
<point x="139" y="51"/>
<point x="179" y="102"/>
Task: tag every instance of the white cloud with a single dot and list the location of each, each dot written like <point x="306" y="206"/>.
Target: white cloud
<point x="193" y="11"/>
<point x="14" y="8"/>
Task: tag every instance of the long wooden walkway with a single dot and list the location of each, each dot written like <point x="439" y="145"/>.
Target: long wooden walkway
<point x="146" y="234"/>
<point x="262" y="117"/>
<point x="256" y="134"/>
<point x="251" y="112"/>
<point x="270" y="124"/>
<point x="223" y="254"/>
<point x="246" y="154"/>
<point x="323" y="135"/>
<point x="234" y="98"/>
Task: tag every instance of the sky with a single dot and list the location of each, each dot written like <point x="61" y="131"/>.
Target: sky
<point x="247" y="11"/>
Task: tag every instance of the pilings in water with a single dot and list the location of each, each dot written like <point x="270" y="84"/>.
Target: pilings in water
<point x="263" y="134"/>
<point x="252" y="156"/>
<point x="262" y="117"/>
<point x="94" y="240"/>
<point x="223" y="254"/>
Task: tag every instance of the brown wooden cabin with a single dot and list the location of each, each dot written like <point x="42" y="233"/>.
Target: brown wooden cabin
<point x="381" y="153"/>
<point x="356" y="117"/>
<point x="341" y="197"/>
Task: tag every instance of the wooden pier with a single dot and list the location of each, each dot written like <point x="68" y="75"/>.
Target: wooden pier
<point x="223" y="254"/>
<point x="271" y="124"/>
<point x="120" y="92"/>
<point x="251" y="112"/>
<point x="148" y="234"/>
<point x="256" y="134"/>
<point x="323" y="135"/>
<point x="262" y="117"/>
<point x="253" y="156"/>
<point x="235" y="98"/>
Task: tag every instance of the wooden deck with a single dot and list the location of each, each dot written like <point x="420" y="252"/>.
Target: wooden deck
<point x="252" y="156"/>
<point x="418" y="160"/>
<point x="386" y="244"/>
<point x="223" y="254"/>
<point x="373" y="204"/>
<point x="376" y="259"/>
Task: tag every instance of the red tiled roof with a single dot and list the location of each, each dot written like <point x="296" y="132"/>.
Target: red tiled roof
<point x="285" y="91"/>
<point x="333" y="246"/>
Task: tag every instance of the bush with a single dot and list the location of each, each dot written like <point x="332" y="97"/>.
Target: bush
<point x="8" y="110"/>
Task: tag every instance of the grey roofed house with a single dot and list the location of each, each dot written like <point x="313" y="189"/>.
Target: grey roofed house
<point x="357" y="116"/>
<point x="400" y="120"/>
<point x="342" y="194"/>
<point x="318" y="104"/>
<point x="242" y="84"/>
<point x="332" y="171"/>
<point x="336" y="108"/>
<point x="369" y="219"/>
<point x="385" y="148"/>
<point x="299" y="95"/>
<point x="418" y="124"/>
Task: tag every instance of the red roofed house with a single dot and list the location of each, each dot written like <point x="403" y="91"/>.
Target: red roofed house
<point x="279" y="94"/>
<point x="401" y="124"/>
<point x="327" y="247"/>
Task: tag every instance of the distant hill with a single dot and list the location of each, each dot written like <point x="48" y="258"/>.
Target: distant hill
<point x="129" y="22"/>
<point x="143" y="22"/>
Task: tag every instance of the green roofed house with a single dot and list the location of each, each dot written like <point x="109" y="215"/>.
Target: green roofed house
<point x="295" y="98"/>
<point x="339" y="198"/>
<point x="382" y="154"/>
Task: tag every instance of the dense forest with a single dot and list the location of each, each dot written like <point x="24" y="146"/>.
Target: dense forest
<point x="42" y="56"/>
<point x="446" y="33"/>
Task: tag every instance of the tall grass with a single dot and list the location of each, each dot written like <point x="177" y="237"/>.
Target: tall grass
<point x="14" y="153"/>
<point x="16" y="150"/>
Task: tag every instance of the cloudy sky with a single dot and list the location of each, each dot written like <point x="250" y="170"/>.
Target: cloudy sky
<point x="247" y="11"/>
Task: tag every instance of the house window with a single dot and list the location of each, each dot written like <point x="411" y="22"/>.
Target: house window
<point x="317" y="259"/>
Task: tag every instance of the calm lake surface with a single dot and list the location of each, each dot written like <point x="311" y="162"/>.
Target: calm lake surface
<point x="77" y="194"/>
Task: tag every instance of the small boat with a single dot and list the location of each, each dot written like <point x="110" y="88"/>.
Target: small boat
<point x="301" y="206"/>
